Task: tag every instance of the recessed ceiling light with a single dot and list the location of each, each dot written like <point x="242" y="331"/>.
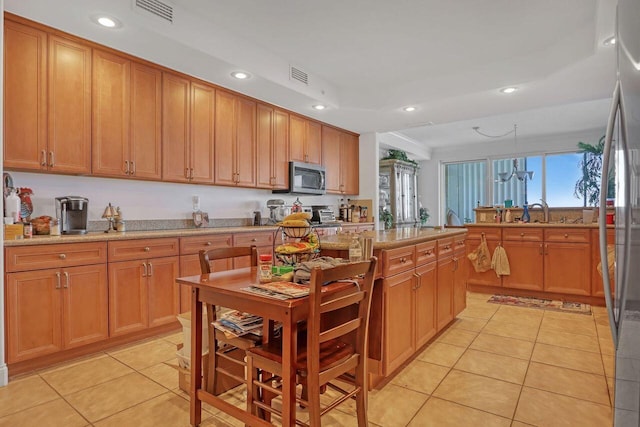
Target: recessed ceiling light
<point x="409" y="109"/>
<point x="240" y="75"/>
<point x="106" y="21"/>
<point x="609" y="41"/>
<point x="319" y="107"/>
<point x="510" y="89"/>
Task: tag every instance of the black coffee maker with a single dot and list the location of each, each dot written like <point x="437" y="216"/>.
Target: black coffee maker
<point x="72" y="213"/>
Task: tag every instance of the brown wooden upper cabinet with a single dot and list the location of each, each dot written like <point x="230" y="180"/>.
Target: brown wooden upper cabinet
<point x="340" y="151"/>
<point x="235" y="140"/>
<point x="127" y="113"/>
<point x="305" y="140"/>
<point x="187" y="130"/>
<point x="46" y="75"/>
<point x="272" y="160"/>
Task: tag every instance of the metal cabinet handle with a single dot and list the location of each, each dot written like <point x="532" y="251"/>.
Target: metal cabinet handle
<point x="208" y="244"/>
<point x="147" y="249"/>
<point x="126" y="167"/>
<point x="190" y="173"/>
<point x="62" y="256"/>
<point x="186" y="173"/>
<point x="540" y="250"/>
<point x="566" y="236"/>
<point x="403" y="260"/>
<point x="254" y="240"/>
<point x="546" y="249"/>
<point x="150" y="269"/>
<point x="58" y="280"/>
<point x="144" y="267"/>
<point x="66" y="280"/>
<point x="133" y="167"/>
<point x="51" y="159"/>
<point x="43" y="162"/>
<point x="521" y="234"/>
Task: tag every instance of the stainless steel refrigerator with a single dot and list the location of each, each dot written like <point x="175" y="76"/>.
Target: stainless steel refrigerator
<point x="622" y="159"/>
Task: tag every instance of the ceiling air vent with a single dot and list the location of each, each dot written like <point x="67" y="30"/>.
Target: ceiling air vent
<point x="299" y="75"/>
<point x="155" y="7"/>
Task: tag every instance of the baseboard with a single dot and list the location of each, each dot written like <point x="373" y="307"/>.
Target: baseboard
<point x="4" y="375"/>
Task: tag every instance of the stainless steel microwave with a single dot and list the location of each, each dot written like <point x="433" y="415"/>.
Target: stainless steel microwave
<point x="305" y="178"/>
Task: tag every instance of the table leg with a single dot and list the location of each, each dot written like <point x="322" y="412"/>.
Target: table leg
<point x="195" y="406"/>
<point x="289" y="355"/>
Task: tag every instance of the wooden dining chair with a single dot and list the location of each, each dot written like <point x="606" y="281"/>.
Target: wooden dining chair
<point x="329" y="353"/>
<point x="226" y="348"/>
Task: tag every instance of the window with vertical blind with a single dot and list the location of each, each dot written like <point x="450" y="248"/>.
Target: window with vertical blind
<point x="554" y="179"/>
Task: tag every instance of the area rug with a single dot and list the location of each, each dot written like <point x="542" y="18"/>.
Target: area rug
<point x="545" y="304"/>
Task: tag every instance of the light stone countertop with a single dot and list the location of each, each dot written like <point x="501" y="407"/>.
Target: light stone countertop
<point x="593" y="225"/>
<point x="128" y="235"/>
<point x="389" y="239"/>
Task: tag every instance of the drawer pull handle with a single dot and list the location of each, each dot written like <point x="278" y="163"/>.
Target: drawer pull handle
<point x="150" y="269"/>
<point x="62" y="256"/>
<point x="66" y="280"/>
<point x="403" y="260"/>
<point x="427" y="252"/>
<point x="566" y="236"/>
<point x="521" y="234"/>
<point x="254" y="240"/>
<point x="208" y="244"/>
<point x="58" y="280"/>
<point x="147" y="249"/>
<point x="144" y="269"/>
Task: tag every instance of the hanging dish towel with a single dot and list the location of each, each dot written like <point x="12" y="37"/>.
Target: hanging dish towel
<point x="480" y="256"/>
<point x="500" y="262"/>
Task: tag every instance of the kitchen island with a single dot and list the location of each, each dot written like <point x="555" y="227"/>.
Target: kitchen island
<point x="420" y="288"/>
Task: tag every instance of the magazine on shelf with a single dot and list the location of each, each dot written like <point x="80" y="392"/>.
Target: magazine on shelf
<point x="237" y="323"/>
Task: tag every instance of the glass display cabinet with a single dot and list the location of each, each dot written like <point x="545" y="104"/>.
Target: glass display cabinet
<point x="398" y="191"/>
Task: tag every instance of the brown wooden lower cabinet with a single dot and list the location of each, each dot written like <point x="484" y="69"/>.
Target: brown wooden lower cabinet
<point x="55" y="309"/>
<point x="399" y="319"/>
<point x="597" y="286"/>
<point x="459" y="276"/>
<point x="425" y="301"/>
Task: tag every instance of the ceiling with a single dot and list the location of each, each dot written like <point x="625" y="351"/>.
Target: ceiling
<point x="367" y="59"/>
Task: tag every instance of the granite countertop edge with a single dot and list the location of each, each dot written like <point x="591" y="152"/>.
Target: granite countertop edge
<point x="535" y="225"/>
<point x="390" y="239"/>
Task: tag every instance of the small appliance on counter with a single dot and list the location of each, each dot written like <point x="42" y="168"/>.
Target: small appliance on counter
<point x="277" y="210"/>
<point x="322" y="215"/>
<point x="72" y="214"/>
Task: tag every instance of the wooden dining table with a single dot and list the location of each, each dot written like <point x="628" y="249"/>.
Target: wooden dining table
<point x="228" y="289"/>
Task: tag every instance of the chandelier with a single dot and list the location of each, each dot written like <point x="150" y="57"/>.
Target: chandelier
<point x="506" y="176"/>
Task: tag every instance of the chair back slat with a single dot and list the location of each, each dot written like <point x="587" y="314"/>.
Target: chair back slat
<point x="206" y="256"/>
<point x="340" y="330"/>
<point x="340" y="302"/>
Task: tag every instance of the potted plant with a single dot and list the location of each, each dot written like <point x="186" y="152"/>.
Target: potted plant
<point x="424" y="215"/>
<point x="386" y="217"/>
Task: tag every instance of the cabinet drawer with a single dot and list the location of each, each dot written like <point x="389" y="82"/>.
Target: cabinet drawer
<point x="23" y="258"/>
<point x="397" y="260"/>
<point x="523" y="234"/>
<point x="193" y="244"/>
<point x="142" y="249"/>
<point x="445" y="247"/>
<point x="490" y="233"/>
<point x="566" y="235"/>
<point x="426" y="252"/>
<point x="459" y="244"/>
<point x="257" y="239"/>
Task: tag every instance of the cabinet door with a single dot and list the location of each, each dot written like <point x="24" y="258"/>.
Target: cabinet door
<point x="597" y="286"/>
<point x="297" y="135"/>
<point x="444" y="295"/>
<point x="245" y="149"/>
<point x="459" y="282"/>
<point x="203" y="99"/>
<point x="567" y="268"/>
<point x="331" y="159"/>
<point x="313" y="142"/>
<point x="525" y="264"/>
<point x="281" y="150"/>
<point x="163" y="291"/>
<point x="69" y="106"/>
<point x="349" y="163"/>
<point x="486" y="278"/>
<point x="84" y="305"/>
<point x="425" y="303"/>
<point x="128" y="306"/>
<point x="33" y="314"/>
<point x="111" y="113"/>
<point x="225" y="138"/>
<point x="399" y="319"/>
<point x="265" y="146"/>
<point x="25" y="97"/>
<point x="175" y="128"/>
<point x="146" y="122"/>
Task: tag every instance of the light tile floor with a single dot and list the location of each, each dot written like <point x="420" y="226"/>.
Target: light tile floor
<point x="495" y="365"/>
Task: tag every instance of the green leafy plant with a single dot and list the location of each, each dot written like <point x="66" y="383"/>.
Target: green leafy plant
<point x="386" y="217"/>
<point x="587" y="187"/>
<point x="424" y="215"/>
<point x="399" y="155"/>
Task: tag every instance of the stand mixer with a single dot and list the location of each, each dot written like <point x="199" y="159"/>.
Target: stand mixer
<point x="277" y="210"/>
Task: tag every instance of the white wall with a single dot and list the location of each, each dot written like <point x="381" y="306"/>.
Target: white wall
<point x="431" y="177"/>
<point x="368" y="178"/>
